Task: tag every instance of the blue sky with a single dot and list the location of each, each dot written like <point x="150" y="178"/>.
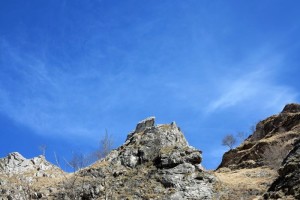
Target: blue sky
<point x="70" y="69"/>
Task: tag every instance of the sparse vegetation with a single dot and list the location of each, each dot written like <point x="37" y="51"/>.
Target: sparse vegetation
<point x="43" y="148"/>
<point x="105" y="146"/>
<point x="241" y="136"/>
<point x="229" y="141"/>
<point x="74" y="186"/>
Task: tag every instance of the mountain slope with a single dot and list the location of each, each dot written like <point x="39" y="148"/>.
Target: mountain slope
<point x="249" y="170"/>
<point x="274" y="135"/>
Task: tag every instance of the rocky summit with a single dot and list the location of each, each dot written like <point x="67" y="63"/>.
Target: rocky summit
<point x="155" y="162"/>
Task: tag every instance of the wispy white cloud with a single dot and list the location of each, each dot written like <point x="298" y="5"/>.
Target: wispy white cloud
<point x="258" y="85"/>
<point x="47" y="99"/>
<point x="79" y="100"/>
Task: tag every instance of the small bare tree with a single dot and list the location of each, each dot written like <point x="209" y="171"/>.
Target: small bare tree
<point x="73" y="186"/>
<point x="241" y="136"/>
<point x="229" y="140"/>
<point x="77" y="161"/>
<point x="105" y="147"/>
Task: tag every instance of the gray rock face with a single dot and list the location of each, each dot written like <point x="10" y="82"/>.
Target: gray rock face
<point x="148" y="142"/>
<point x="15" y="163"/>
<point x="20" y="177"/>
<point x="155" y="162"/>
<point x="288" y="182"/>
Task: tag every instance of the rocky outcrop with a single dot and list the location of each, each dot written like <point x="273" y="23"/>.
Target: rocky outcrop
<point x="15" y="163"/>
<point x="270" y="142"/>
<point x="22" y="178"/>
<point x="288" y="182"/>
<point x="155" y="162"/>
<point x="291" y="108"/>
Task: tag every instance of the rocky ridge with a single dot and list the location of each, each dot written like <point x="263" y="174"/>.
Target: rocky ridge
<point x="155" y="162"/>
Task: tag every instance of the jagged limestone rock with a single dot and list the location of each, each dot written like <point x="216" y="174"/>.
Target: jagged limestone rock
<point x="15" y="163"/>
<point x="22" y="178"/>
<point x="155" y="162"/>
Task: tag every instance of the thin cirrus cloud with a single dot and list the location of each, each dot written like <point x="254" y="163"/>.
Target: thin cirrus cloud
<point x="44" y="98"/>
<point x="79" y="100"/>
<point x="68" y="101"/>
<point x="256" y="88"/>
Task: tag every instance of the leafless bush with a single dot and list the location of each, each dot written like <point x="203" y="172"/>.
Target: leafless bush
<point x="105" y="147"/>
<point x="43" y="148"/>
<point x="229" y="140"/>
<point x="74" y="186"/>
<point x="241" y="136"/>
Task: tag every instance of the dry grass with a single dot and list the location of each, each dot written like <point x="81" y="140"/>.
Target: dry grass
<point x="99" y="164"/>
<point x="243" y="183"/>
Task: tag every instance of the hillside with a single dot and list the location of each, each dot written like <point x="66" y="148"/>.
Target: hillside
<point x="249" y="169"/>
<point x="156" y="162"/>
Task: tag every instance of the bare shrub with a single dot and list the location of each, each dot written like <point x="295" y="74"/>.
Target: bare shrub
<point x="241" y="136"/>
<point x="78" y="161"/>
<point x="43" y="148"/>
<point x="73" y="186"/>
<point x="105" y="146"/>
<point x="229" y="140"/>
